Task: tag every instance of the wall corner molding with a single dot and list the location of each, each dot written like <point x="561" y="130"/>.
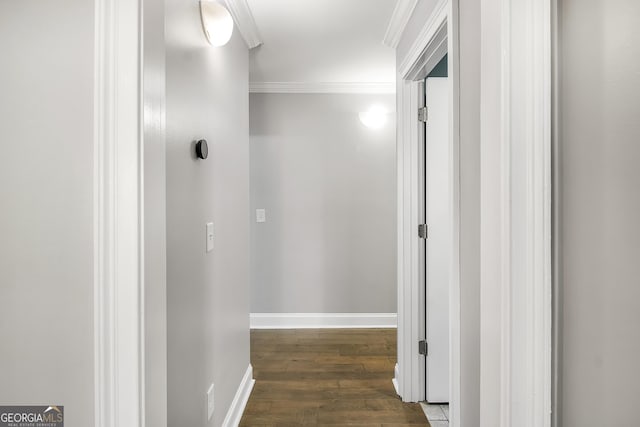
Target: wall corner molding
<point x="245" y="22"/>
<point x="118" y="253"/>
<point x="323" y="87"/>
<point x="526" y="187"/>
<point x="516" y="284"/>
<point x="322" y="320"/>
<point x="234" y="414"/>
<point x="399" y="20"/>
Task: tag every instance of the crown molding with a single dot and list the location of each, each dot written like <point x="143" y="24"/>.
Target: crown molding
<point x="322" y="87"/>
<point x="243" y="18"/>
<point x="398" y="22"/>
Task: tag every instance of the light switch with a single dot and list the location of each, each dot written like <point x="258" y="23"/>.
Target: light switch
<point x="261" y="215"/>
<point x="209" y="236"/>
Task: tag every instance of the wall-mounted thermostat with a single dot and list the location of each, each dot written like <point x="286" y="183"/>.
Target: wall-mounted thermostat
<point x="202" y="149"/>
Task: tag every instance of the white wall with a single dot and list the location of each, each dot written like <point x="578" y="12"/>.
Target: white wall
<point x="599" y="91"/>
<point x="46" y="219"/>
<point x="208" y="300"/>
<point x="328" y="186"/>
<point x="469" y="38"/>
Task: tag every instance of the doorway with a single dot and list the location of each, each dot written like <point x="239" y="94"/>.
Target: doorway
<point x="436" y="40"/>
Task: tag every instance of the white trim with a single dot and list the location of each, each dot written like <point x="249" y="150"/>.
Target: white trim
<point x="241" y="13"/>
<point x="526" y="203"/>
<point x="436" y="49"/>
<point x="556" y="355"/>
<point x="234" y="414"/>
<point x="398" y="22"/>
<point x="427" y="35"/>
<point x="521" y="249"/>
<point x="322" y="320"/>
<point x="394" y="381"/>
<point x="322" y="87"/>
<point x="118" y="234"/>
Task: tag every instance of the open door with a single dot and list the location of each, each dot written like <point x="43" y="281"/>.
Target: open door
<point x="438" y="218"/>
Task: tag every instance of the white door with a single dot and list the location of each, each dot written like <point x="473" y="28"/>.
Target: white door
<point x="438" y="242"/>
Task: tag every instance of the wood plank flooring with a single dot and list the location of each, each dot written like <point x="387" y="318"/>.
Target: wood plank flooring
<point x="326" y="377"/>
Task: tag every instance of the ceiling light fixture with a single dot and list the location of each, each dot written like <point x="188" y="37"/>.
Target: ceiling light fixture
<point x="217" y="23"/>
<point x="375" y="117"/>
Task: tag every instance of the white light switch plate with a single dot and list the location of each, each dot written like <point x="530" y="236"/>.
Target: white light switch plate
<point x="210" y="405"/>
<point x="209" y="237"/>
<point x="261" y="215"/>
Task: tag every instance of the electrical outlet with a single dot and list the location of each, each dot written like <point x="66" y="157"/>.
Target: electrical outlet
<point x="210" y="406"/>
<point x="209" y="236"/>
<point x="261" y="215"/>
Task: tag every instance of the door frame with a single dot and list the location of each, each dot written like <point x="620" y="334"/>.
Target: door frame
<point x="119" y="356"/>
<point x="516" y="210"/>
<point x="437" y="38"/>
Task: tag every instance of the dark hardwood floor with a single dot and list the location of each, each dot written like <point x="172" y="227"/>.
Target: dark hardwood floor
<point x="326" y="377"/>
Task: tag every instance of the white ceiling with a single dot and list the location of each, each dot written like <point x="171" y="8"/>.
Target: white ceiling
<point x="322" y="41"/>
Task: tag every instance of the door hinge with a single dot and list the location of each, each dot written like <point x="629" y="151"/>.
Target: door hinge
<point x="423" y="231"/>
<point x="423" y="348"/>
<point x="423" y="114"/>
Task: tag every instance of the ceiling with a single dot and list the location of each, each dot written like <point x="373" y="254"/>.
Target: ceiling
<point x="322" y="41"/>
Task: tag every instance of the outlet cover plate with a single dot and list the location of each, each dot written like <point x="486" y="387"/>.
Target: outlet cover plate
<point x="209" y="236"/>
<point x="210" y="403"/>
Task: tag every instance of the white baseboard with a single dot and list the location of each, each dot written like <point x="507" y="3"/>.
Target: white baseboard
<point x="396" y="372"/>
<point x="323" y="320"/>
<point x="234" y="414"/>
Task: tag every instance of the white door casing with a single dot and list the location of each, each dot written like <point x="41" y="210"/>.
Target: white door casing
<point x="118" y="210"/>
<point x="516" y="287"/>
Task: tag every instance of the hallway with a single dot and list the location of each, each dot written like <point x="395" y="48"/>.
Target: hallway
<point x="189" y="187"/>
<point x="326" y="377"/>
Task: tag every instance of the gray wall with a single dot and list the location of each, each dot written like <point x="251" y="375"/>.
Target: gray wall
<point x="491" y="216"/>
<point x="328" y="186"/>
<point x="599" y="145"/>
<point x="469" y="64"/>
<point x="155" y="250"/>
<point x="207" y="294"/>
<point x="46" y="219"/>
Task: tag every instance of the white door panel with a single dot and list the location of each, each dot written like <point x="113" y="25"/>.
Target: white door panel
<point x="438" y="244"/>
